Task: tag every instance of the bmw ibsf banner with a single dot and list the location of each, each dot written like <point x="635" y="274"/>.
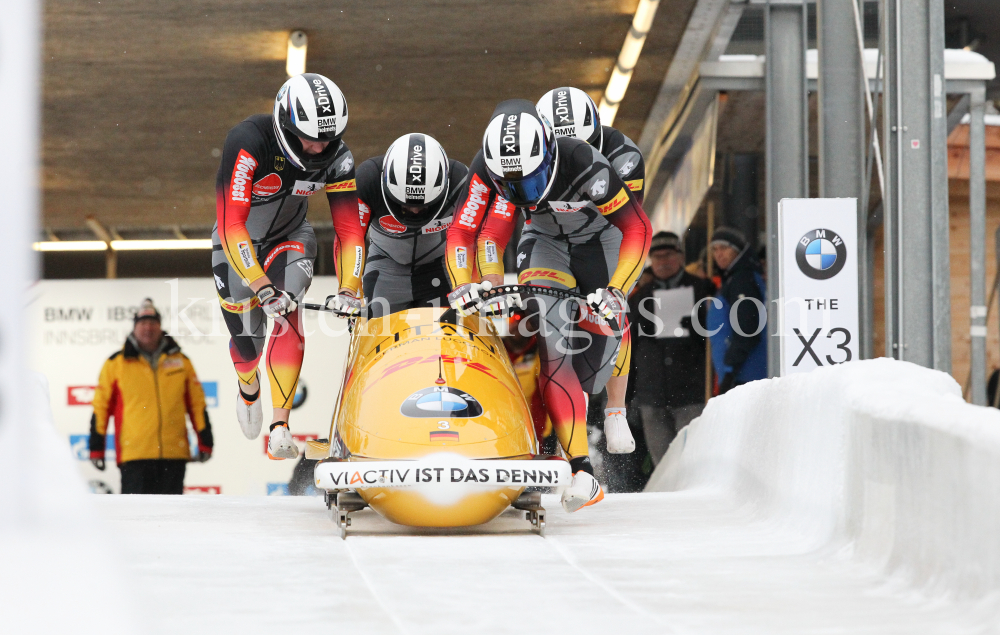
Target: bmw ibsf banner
<point x="818" y="282"/>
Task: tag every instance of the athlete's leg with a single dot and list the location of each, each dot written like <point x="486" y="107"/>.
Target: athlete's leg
<point x="429" y="284"/>
<point x="545" y="262"/>
<point x="391" y="287"/>
<point x="606" y="362"/>
<point x="376" y="282"/>
<point x="246" y="323"/>
<point x="289" y="266"/>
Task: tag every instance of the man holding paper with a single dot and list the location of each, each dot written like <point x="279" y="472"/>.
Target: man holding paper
<point x="669" y="356"/>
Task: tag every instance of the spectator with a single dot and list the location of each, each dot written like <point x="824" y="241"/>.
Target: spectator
<point x="739" y="347"/>
<point x="670" y="371"/>
<point x="147" y="387"/>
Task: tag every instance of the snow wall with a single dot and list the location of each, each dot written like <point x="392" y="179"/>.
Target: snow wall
<point x="880" y="460"/>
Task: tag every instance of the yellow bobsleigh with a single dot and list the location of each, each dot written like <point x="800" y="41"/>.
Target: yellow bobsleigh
<point x="432" y="428"/>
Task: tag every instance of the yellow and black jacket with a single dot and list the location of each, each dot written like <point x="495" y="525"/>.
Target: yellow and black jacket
<point x="149" y="405"/>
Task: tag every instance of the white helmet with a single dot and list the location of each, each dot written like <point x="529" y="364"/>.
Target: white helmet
<point x="521" y="152"/>
<point x="309" y="106"/>
<point x="573" y="114"/>
<point x="415" y="173"/>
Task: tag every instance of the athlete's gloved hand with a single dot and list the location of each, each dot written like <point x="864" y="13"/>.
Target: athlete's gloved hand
<point x="607" y="303"/>
<point x="344" y="304"/>
<point x="467" y="298"/>
<point x="98" y="463"/>
<point x="274" y="301"/>
<point x="503" y="306"/>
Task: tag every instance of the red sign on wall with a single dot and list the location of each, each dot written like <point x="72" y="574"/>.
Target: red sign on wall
<point x="80" y="395"/>
<point x="202" y="489"/>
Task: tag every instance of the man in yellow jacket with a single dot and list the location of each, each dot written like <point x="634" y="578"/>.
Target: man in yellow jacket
<point x="148" y="386"/>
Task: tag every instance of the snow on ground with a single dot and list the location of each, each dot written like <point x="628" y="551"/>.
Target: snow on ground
<point x="685" y="562"/>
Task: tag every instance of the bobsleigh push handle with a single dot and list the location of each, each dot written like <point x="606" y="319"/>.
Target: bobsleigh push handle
<point x="325" y="307"/>
<point x="515" y="289"/>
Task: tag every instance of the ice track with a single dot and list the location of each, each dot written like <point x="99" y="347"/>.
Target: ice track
<point x="855" y="499"/>
<point x="685" y="562"/>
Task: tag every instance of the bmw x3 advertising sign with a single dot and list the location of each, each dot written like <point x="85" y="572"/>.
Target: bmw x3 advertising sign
<point x="818" y="282"/>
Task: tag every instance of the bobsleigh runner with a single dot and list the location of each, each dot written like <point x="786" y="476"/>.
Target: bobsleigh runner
<point x="431" y="427"/>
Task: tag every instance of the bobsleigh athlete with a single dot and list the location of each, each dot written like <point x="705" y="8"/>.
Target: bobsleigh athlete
<point x="573" y="113"/>
<point x="406" y="198"/>
<point x="583" y="229"/>
<point x="263" y="248"/>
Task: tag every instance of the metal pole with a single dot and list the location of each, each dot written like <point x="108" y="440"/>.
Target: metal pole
<point x="995" y="398"/>
<point x="937" y="147"/>
<point x="841" y="104"/>
<point x="890" y="159"/>
<point x="841" y="125"/>
<point x="873" y="158"/>
<point x="977" y="244"/>
<point x="787" y="138"/>
<point x="917" y="306"/>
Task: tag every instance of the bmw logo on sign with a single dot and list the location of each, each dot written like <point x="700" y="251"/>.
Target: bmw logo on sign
<point x="820" y="254"/>
<point x="441" y="401"/>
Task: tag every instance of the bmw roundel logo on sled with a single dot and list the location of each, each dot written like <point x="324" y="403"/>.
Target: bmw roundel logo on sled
<point x="820" y="254"/>
<point x="441" y="401"/>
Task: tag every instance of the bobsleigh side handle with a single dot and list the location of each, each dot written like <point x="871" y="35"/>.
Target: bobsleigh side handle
<point x="562" y="294"/>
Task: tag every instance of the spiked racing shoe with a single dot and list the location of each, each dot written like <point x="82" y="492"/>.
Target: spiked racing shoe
<point x="280" y="444"/>
<point x="584" y="490"/>
<point x="620" y="439"/>
<point x="248" y="411"/>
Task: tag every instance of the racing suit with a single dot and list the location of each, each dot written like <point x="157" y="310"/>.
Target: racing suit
<point x="405" y="266"/>
<point x="261" y="229"/>
<point x="587" y="233"/>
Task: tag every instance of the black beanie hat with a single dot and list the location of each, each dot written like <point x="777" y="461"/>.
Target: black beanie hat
<point x="666" y="240"/>
<point x="731" y="237"/>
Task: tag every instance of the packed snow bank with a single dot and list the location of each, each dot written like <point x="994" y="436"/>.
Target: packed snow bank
<point x="880" y="459"/>
<point x="58" y="573"/>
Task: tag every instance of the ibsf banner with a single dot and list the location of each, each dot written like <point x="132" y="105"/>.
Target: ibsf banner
<point x="818" y="282"/>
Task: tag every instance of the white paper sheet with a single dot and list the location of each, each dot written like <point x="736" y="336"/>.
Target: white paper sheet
<point x="670" y="305"/>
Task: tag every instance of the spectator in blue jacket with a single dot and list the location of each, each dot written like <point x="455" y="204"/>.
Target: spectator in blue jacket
<point x="739" y="347"/>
